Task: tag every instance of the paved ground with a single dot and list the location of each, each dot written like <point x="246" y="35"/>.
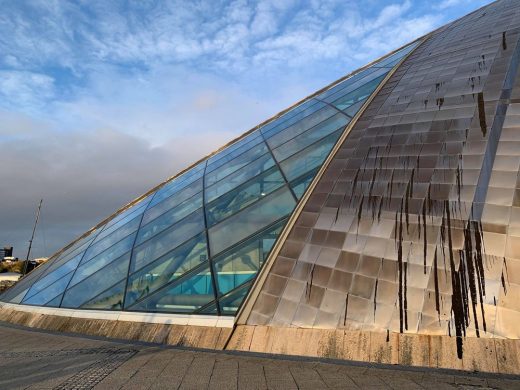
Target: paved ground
<point x="32" y="359"/>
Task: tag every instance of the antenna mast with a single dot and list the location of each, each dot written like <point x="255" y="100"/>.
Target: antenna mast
<point x="32" y="237"/>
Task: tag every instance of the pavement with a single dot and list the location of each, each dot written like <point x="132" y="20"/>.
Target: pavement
<point x="37" y="359"/>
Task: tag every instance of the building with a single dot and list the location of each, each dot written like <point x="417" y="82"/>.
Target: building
<point x="6" y="252"/>
<point x="378" y="219"/>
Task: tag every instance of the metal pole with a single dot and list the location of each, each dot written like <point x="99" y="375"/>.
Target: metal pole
<point x="32" y="237"/>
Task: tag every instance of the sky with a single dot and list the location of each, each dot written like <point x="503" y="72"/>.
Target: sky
<point x="102" y="100"/>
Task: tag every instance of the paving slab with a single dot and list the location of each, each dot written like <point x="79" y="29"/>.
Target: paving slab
<point x="39" y="359"/>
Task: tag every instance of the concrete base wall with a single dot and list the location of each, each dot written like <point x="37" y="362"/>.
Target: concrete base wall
<point x="480" y="354"/>
<point x="210" y="337"/>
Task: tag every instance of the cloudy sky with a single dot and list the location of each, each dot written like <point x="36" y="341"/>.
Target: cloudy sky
<point x="101" y="100"/>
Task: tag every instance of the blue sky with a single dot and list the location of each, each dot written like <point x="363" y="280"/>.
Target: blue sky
<point x="100" y="100"/>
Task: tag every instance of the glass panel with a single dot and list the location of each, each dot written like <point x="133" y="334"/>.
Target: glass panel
<point x="301" y="184"/>
<point x="166" y="269"/>
<point x="376" y="73"/>
<point x="99" y="246"/>
<point x="300" y="127"/>
<point x="232" y="148"/>
<point x="96" y="283"/>
<point x="169" y="239"/>
<point x="250" y="220"/>
<point x="172" y="201"/>
<point x="296" y="114"/>
<point x="179" y="183"/>
<point x="249" y="192"/>
<point x="55" y="302"/>
<point x="235" y="164"/>
<point x="309" y="158"/>
<point x="242" y="264"/>
<point x="114" y="253"/>
<point x="186" y="296"/>
<point x="353" y="109"/>
<point x="18" y="298"/>
<point x="359" y="94"/>
<point x="350" y="83"/>
<point x="209" y="309"/>
<point x="309" y="137"/>
<point x="50" y="292"/>
<point x="396" y="57"/>
<point x="230" y="304"/>
<point x="111" y="299"/>
<point x="128" y="216"/>
<point x="231" y="181"/>
<point x="169" y="218"/>
<point x="55" y="275"/>
<point x="240" y="147"/>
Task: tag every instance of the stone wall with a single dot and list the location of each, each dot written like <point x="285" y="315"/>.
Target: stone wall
<point x="481" y="354"/>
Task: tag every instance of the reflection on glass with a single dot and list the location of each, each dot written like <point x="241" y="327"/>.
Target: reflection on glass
<point x="166" y="269"/>
<point x="309" y="158"/>
<point x="235" y="179"/>
<point x="50" y="292"/>
<point x="312" y="135"/>
<point x="169" y="203"/>
<point x="241" y="197"/>
<point x="230" y="304"/>
<point x="184" y="297"/>
<point x="169" y="239"/>
<point x="111" y="299"/>
<point x="243" y="263"/>
<point x="169" y="218"/>
<point x="235" y="164"/>
<point x="96" y="283"/>
<point x="113" y="253"/>
<point x="301" y="127"/>
<point x="250" y="220"/>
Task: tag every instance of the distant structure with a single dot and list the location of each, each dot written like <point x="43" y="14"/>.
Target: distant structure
<point x="6" y="254"/>
<point x="377" y="220"/>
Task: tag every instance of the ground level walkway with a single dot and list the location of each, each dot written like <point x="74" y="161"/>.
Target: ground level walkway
<point x="35" y="359"/>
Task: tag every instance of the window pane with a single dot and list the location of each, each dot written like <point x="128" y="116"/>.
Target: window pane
<point x="230" y="304"/>
<point x="50" y="292"/>
<point x="54" y="276"/>
<point x="111" y="299"/>
<point x="301" y="184"/>
<point x="169" y="239"/>
<point x="227" y="155"/>
<point x="99" y="246"/>
<point x="231" y="181"/>
<point x="186" y="296"/>
<point x="128" y="216"/>
<point x="166" y="269"/>
<point x="232" y="148"/>
<point x="242" y="264"/>
<point x="178" y="183"/>
<point x="172" y="201"/>
<point x="309" y="158"/>
<point x="241" y="197"/>
<point x="348" y="83"/>
<point x="319" y="131"/>
<point x="291" y="117"/>
<point x="300" y="127"/>
<point x="359" y="94"/>
<point x="169" y="218"/>
<point x="114" y="253"/>
<point x="96" y="283"/>
<point x="235" y="164"/>
<point x="250" y="220"/>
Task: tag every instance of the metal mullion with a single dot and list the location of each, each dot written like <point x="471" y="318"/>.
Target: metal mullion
<point x="132" y="250"/>
<point x="181" y="279"/>
<point x="311" y="128"/>
<point x="80" y="260"/>
<point x="280" y="169"/>
<point x="208" y="247"/>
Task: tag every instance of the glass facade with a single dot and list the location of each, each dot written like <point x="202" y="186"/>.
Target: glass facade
<point x="196" y="244"/>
